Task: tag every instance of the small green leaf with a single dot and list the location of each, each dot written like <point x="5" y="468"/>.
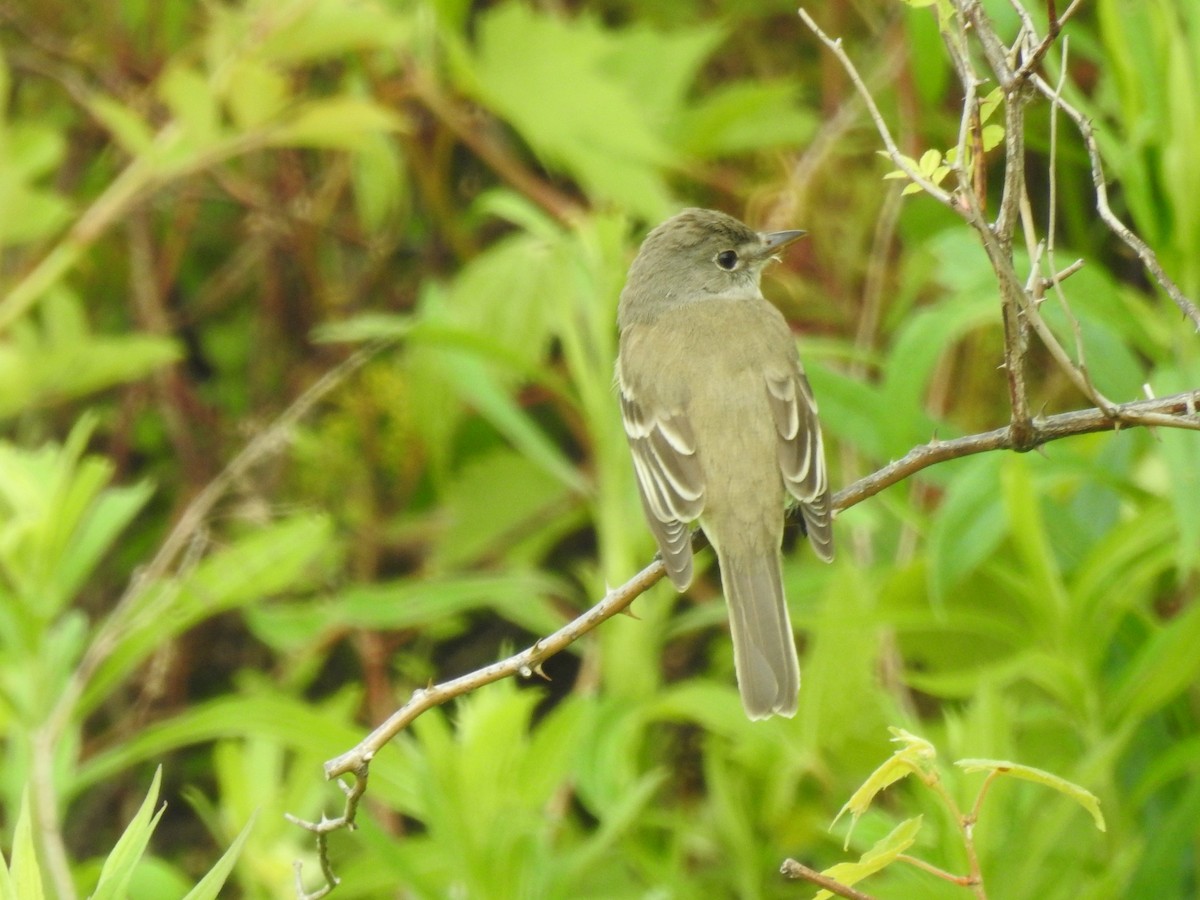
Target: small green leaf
<point x="884" y="852"/>
<point x="338" y="122"/>
<point x="209" y="887"/>
<point x="364" y="327"/>
<point x="118" y="868"/>
<point x="1165" y="665"/>
<point x="317" y="29"/>
<point x="255" y="93"/>
<point x="26" y="876"/>
<point x="989" y="104"/>
<point x="1083" y="797"/>
<point x="189" y="96"/>
<point x="127" y="127"/>
<point x="967" y="528"/>
<point x="993" y="136"/>
<point x="914" y="756"/>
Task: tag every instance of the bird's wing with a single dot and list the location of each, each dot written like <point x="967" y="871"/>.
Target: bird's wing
<point x="801" y="454"/>
<point x="670" y="480"/>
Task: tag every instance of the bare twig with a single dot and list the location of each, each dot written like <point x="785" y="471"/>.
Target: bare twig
<point x="1034" y="57"/>
<point x="1018" y="301"/>
<point x="966" y="827"/>
<point x="1148" y="257"/>
<point x="917" y="862"/>
<point x="799" y="871"/>
<point x="526" y="663"/>
<point x="835" y="47"/>
<point x="1181" y="410"/>
<point x="997" y="238"/>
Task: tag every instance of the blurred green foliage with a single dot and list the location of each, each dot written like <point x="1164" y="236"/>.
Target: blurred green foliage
<point x="204" y="205"/>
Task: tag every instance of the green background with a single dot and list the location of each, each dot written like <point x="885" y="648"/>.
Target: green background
<point x="207" y="206"/>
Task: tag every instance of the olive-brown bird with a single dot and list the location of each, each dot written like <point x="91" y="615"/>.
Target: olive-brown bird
<point x="723" y="427"/>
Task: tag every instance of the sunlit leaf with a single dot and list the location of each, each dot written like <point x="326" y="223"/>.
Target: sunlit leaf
<point x="341" y="122"/>
<point x="915" y="756"/>
<point x="882" y="854"/>
<point x="1083" y="797"/>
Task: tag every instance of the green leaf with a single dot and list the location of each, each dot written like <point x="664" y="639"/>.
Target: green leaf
<point x="190" y="98"/>
<point x="57" y="358"/>
<point x="479" y="388"/>
<point x="273" y="559"/>
<point x="931" y="71"/>
<point x="490" y="502"/>
<point x="209" y="887"/>
<point x="522" y="597"/>
<point x="24" y="874"/>
<point x="882" y="854"/>
<point x="992" y="136"/>
<point x="915" y="755"/>
<point x="304" y="31"/>
<point x="127" y="127"/>
<point x="364" y="327"/>
<point x="58" y="517"/>
<point x="743" y="117"/>
<point x="921" y="343"/>
<point x="381" y="176"/>
<point x="1040" y="567"/>
<point x="1181" y="454"/>
<point x="339" y="122"/>
<point x="118" y="868"/>
<point x="967" y="528"/>
<point x="574" y="95"/>
<point x="323" y="729"/>
<point x="30" y="212"/>
<point x="1083" y="797"/>
<point x="255" y="92"/>
<point x="990" y="103"/>
<point x="1163" y="667"/>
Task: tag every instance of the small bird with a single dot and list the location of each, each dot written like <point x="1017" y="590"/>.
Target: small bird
<point x="723" y="426"/>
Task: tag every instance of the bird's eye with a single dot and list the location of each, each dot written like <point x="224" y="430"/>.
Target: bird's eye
<point x="728" y="260"/>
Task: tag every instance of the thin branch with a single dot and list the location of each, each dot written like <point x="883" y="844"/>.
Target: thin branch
<point x="977" y="808"/>
<point x="1034" y="57"/>
<point x="835" y="47"/>
<point x="799" y="871"/>
<point x="526" y="664"/>
<point x="1180" y="410"/>
<point x="1148" y="257"/>
<point x="966" y="827"/>
<point x="997" y="238"/>
<point x="960" y="880"/>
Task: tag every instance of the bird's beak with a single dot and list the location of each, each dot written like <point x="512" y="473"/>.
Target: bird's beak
<point x="777" y="240"/>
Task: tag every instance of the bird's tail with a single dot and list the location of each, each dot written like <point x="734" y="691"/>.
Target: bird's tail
<point x="764" y="649"/>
